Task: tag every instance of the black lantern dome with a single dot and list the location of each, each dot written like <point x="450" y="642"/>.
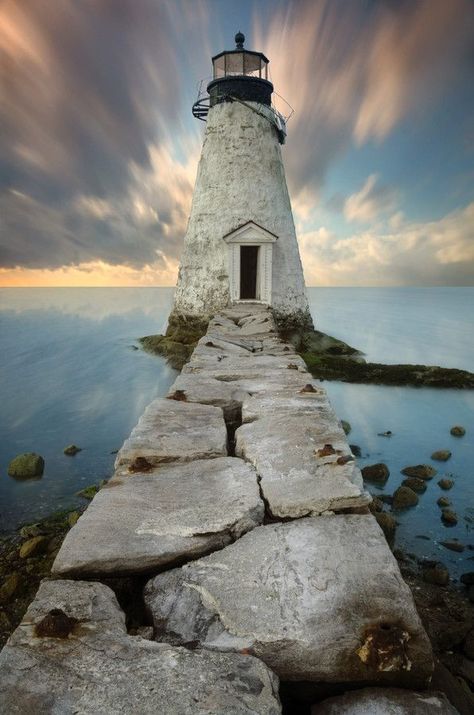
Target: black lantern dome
<point x="240" y="74"/>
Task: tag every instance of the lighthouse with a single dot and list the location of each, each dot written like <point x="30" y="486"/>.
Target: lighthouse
<point x="240" y="244"/>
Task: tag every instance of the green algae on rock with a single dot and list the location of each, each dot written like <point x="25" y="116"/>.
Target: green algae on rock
<point x="178" y="343"/>
<point x="26" y="466"/>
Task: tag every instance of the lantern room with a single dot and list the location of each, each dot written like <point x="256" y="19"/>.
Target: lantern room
<point x="240" y="74"/>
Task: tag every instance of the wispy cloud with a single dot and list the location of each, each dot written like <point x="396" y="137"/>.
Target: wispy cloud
<point x="432" y="253"/>
<point x="370" y="202"/>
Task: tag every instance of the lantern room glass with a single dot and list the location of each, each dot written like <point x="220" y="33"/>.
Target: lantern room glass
<point x="230" y="64"/>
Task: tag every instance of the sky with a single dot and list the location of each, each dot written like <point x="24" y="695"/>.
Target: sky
<point x="99" y="149"/>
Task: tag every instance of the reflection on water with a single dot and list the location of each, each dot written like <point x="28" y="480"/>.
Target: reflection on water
<point x="70" y="374"/>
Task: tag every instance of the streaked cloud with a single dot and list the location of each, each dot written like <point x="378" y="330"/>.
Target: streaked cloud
<point x="370" y="202"/>
<point x="432" y="253"/>
<point x="354" y="71"/>
<point x="98" y="153"/>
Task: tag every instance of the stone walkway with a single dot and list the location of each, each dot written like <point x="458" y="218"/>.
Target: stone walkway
<point x="238" y="502"/>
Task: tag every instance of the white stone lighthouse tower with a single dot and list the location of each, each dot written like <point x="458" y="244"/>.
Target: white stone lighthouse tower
<point x="240" y="243"/>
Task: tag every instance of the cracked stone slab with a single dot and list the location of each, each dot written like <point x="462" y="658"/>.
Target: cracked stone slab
<point x="252" y="366"/>
<point x="318" y="599"/>
<point x="171" y="431"/>
<point x="144" y="521"/>
<point x="304" y="463"/>
<point x="288" y="402"/>
<point x="384" y="701"/>
<point x="209" y="391"/>
<point x="98" y="668"/>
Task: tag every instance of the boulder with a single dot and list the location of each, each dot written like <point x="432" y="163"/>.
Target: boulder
<point x="9" y="587"/>
<point x="437" y="574"/>
<point x="33" y="547"/>
<point x="388" y="525"/>
<point x="304" y="464"/>
<point x="382" y="701"/>
<point x="446" y="484"/>
<point x="26" y="466"/>
<point x="71" y="450"/>
<point x="449" y="517"/>
<point x="377" y="473"/>
<point x="441" y="455"/>
<point x="417" y="485"/>
<point x="146" y="521"/>
<point x="443" y="502"/>
<point x="290" y="594"/>
<point x="171" y="431"/>
<point x="467" y="578"/>
<point x="404" y="497"/>
<point x="420" y="471"/>
<point x="457" y="431"/>
<point x="72" y="654"/>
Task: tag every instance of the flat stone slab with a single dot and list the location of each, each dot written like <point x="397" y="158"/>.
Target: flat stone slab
<point x="144" y="521"/>
<point x="304" y="463"/>
<point x="170" y="431"/>
<point x="98" y="668"/>
<point x="318" y="599"/>
<point x="386" y="701"/>
<point x="288" y="402"/>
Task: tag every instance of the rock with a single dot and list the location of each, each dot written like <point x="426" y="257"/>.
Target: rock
<point x="377" y="473"/>
<point x="289" y="594"/>
<point x="382" y="701"/>
<point x="467" y="578"/>
<point x="404" y="497"/>
<point x="346" y="426"/>
<point x="9" y="587"/>
<point x="443" y="502"/>
<point x="174" y="513"/>
<point x="420" y="471"/>
<point x="437" y="575"/>
<point x="388" y="525"/>
<point x="66" y="674"/>
<point x="449" y="517"/>
<point x="446" y="484"/>
<point x="33" y="547"/>
<point x="89" y="492"/>
<point x="441" y="455"/>
<point x="457" y="431"/>
<point x="305" y="465"/>
<point x="417" y="485"/>
<point x="387" y="433"/>
<point x="71" y="450"/>
<point x="386" y="498"/>
<point x="468" y="645"/>
<point x="470" y="593"/>
<point x="356" y="450"/>
<point x="453" y="546"/>
<point x="376" y="505"/>
<point x="171" y="431"/>
<point x="27" y="465"/>
<point x="73" y="517"/>
<point x="30" y="530"/>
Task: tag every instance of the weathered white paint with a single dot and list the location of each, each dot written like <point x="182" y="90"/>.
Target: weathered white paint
<point x="251" y="235"/>
<point x="240" y="179"/>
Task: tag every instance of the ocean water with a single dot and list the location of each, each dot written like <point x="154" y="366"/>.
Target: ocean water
<point x="71" y="373"/>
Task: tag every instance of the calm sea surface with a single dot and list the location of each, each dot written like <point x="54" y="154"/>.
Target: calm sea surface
<point x="71" y="373"/>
